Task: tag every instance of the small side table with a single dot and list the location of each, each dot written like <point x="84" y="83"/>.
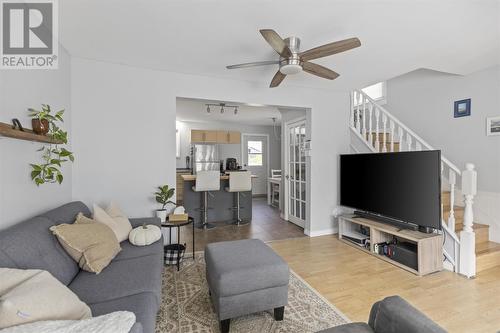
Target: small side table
<point x="177" y="225"/>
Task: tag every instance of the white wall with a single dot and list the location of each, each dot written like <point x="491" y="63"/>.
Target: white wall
<point x="124" y="130"/>
<point x="20" y="90"/>
<point x="423" y="100"/>
<point x="229" y="150"/>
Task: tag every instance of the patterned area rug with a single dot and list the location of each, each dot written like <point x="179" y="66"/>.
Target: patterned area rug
<point x="186" y="306"/>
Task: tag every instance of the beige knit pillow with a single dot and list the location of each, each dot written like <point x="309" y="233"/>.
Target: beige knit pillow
<point x="29" y="295"/>
<point x="92" y="245"/>
<point x="114" y="218"/>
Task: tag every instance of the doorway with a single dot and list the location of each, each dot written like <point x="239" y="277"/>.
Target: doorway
<point x="255" y="158"/>
<point x="295" y="172"/>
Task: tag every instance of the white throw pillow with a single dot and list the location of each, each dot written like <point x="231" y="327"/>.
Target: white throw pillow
<point x="144" y="235"/>
<point x="114" y="322"/>
<point x="114" y="218"/>
<point x="29" y="295"/>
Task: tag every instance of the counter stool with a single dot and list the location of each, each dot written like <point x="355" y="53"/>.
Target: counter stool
<point x="206" y="181"/>
<point x="239" y="181"/>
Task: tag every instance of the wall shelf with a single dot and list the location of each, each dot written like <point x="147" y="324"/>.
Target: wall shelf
<point x="28" y="135"/>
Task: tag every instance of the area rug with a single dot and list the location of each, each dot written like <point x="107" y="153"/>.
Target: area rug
<point x="186" y="306"/>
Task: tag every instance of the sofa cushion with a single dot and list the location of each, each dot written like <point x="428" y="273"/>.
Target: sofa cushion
<point x="242" y="266"/>
<point x="349" y="328"/>
<point x="143" y="305"/>
<point x="130" y="251"/>
<point x="67" y="213"/>
<point x="120" y="279"/>
<point x="92" y="245"/>
<point x="30" y="244"/>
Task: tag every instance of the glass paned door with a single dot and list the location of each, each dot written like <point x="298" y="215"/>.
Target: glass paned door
<point x="296" y="173"/>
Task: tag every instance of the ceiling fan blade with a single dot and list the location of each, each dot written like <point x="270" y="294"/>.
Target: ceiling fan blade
<point x="276" y="42"/>
<point x="329" y="49"/>
<point x="278" y="77"/>
<point x="319" y="71"/>
<point x="253" y="64"/>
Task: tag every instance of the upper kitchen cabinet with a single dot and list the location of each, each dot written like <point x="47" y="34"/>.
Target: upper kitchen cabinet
<point x="228" y="137"/>
<point x="206" y="136"/>
<point x="203" y="136"/>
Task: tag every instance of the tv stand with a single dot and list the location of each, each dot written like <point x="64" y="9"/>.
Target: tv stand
<point x="429" y="246"/>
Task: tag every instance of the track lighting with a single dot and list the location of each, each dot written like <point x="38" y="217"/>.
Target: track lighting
<point x="222" y="106"/>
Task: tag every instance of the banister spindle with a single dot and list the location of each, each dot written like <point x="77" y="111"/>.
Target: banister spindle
<point x="408" y="141"/>
<point x="384" y="138"/>
<point x="377" y="120"/>
<point x="400" y="138"/>
<point x="356" y="116"/>
<point x="359" y="114"/>
<point x="353" y="105"/>
<point x="418" y="146"/>
<point x="370" y="128"/>
<point x="392" y="126"/>
<point x="452" y="179"/>
<point x="364" y="118"/>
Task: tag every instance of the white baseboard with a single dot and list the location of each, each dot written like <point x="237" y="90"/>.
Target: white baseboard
<point x="316" y="233"/>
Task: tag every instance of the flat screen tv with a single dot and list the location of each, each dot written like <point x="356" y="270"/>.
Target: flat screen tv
<point x="402" y="188"/>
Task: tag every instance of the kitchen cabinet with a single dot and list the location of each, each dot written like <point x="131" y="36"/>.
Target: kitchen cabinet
<point x="203" y="136"/>
<point x="207" y="136"/>
<point x="228" y="137"/>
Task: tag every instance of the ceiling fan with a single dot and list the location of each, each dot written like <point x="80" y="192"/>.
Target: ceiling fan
<point x="293" y="61"/>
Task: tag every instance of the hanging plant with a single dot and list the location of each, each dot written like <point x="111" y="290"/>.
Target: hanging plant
<point x="54" y="154"/>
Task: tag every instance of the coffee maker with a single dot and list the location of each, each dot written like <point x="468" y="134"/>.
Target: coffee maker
<point x="231" y="164"/>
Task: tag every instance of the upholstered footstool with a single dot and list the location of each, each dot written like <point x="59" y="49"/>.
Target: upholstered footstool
<point x="245" y="277"/>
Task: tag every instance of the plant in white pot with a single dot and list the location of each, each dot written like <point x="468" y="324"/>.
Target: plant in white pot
<point x="163" y="195"/>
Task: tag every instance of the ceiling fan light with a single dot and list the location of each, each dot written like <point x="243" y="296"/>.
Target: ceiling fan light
<point x="208" y="108"/>
<point x="290" y="69"/>
<point x="236" y="110"/>
<point x="221" y="109"/>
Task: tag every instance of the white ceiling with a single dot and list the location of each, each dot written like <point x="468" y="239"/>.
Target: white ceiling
<point x="196" y="111"/>
<point x="203" y="36"/>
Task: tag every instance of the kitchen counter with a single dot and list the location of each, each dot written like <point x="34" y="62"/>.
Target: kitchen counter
<point x="193" y="177"/>
<point x="220" y="202"/>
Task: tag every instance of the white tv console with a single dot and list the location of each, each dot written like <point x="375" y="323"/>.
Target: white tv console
<point x="429" y="246"/>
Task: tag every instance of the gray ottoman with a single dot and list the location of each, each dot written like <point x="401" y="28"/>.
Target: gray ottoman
<point x="244" y="277"/>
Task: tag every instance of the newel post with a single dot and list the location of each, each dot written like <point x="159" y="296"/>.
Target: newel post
<point x="467" y="237"/>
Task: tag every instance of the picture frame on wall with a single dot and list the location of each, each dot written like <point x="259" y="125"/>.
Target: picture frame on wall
<point x="462" y="108"/>
<point x="493" y="126"/>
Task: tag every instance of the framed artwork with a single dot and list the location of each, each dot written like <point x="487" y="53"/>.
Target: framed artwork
<point x="493" y="125"/>
<point x="462" y="108"/>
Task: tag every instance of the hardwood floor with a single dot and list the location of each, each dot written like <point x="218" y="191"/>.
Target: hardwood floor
<point x="266" y="225"/>
<point x="353" y="281"/>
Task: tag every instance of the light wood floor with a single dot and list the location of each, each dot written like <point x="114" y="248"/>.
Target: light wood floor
<point x="353" y="281"/>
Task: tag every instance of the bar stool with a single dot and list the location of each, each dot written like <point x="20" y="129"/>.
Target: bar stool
<point x="206" y="181"/>
<point x="240" y="181"/>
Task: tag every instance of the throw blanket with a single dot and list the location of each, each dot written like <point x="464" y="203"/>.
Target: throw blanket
<point x="115" y="322"/>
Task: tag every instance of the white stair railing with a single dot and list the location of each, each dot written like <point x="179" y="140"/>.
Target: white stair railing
<point x="370" y="122"/>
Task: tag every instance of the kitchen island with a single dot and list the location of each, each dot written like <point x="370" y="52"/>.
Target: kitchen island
<point x="220" y="201"/>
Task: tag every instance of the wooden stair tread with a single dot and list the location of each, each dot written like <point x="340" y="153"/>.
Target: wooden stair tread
<point x="446" y="208"/>
<point x="460" y="226"/>
<point x="487" y="248"/>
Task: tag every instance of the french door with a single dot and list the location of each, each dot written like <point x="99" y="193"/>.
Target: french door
<point x="295" y="173"/>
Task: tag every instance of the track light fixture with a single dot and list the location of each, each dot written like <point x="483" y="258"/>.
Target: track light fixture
<point x="222" y="106"/>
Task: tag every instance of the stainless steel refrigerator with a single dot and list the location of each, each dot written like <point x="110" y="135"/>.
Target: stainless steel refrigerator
<point x="204" y="157"/>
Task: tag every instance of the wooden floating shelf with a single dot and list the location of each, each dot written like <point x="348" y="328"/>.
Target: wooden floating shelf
<point x="28" y="135"/>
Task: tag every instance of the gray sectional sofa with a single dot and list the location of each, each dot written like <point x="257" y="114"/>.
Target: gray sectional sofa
<point x="391" y="315"/>
<point x="131" y="282"/>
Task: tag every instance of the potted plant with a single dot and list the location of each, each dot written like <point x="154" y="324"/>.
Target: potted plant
<point x="163" y="195"/>
<point x="54" y="154"/>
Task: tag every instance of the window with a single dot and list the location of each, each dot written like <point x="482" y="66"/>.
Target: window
<point x="377" y="92"/>
<point x="255" y="153"/>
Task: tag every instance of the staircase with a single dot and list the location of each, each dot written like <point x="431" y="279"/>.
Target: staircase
<point x="467" y="249"/>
